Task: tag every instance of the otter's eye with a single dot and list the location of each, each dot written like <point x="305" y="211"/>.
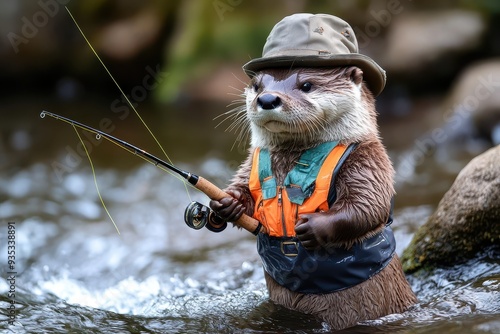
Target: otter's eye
<point x="255" y="87"/>
<point x="306" y="86"/>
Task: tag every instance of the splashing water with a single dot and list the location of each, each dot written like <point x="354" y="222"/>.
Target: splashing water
<point x="160" y="276"/>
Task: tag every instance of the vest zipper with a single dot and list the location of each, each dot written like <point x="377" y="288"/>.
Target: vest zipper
<point x="280" y="206"/>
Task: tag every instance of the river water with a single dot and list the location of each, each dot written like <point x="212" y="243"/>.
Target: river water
<point x="74" y="273"/>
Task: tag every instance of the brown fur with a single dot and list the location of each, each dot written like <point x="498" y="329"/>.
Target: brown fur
<point x="383" y="294"/>
<point x="364" y="186"/>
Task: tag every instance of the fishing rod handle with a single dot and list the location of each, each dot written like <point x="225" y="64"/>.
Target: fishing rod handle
<point x="215" y="193"/>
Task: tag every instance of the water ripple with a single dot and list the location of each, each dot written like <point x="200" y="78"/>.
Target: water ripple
<point x="76" y="273"/>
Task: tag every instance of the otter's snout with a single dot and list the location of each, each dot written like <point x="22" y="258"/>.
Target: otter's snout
<point x="268" y="101"/>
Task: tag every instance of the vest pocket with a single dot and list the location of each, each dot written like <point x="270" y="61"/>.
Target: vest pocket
<point x="261" y="216"/>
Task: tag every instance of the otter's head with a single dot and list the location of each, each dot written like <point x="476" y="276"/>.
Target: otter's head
<point x="304" y="107"/>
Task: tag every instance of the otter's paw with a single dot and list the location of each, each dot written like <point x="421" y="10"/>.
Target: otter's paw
<point x="315" y="230"/>
<point x="229" y="208"/>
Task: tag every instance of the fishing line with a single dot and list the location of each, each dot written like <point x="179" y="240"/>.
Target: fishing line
<point x="95" y="178"/>
<point x="196" y="215"/>
<point x="125" y="96"/>
<point x="98" y="136"/>
<point x="196" y="212"/>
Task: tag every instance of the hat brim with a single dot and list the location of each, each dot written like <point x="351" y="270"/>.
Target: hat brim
<point x="373" y="74"/>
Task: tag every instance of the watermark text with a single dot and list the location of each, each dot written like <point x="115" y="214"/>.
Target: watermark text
<point x="11" y="272"/>
<point x="31" y="27"/>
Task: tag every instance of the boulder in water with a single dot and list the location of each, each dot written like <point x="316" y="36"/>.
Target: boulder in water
<point x="466" y="221"/>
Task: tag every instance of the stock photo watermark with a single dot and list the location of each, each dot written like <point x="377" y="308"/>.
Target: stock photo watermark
<point x="381" y="19"/>
<point x="31" y="26"/>
<point x="223" y="6"/>
<point x="121" y="107"/>
<point x="11" y="272"/>
<point x="371" y="29"/>
<point x="453" y="118"/>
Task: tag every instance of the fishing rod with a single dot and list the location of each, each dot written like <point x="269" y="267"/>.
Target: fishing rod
<point x="196" y="215"/>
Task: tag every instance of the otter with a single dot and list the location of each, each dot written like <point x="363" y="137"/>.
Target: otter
<point x="319" y="179"/>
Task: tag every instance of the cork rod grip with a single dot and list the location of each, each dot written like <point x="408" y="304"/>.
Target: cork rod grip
<point x="211" y="190"/>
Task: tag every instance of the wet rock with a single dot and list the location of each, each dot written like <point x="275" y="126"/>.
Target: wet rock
<point x="468" y="118"/>
<point x="475" y="99"/>
<point x="126" y="38"/>
<point x="466" y="221"/>
<point x="417" y="39"/>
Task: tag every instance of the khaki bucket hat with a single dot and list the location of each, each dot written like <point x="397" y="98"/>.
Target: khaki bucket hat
<point x="316" y="40"/>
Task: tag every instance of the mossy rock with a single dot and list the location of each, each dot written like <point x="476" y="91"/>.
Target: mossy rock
<point x="466" y="221"/>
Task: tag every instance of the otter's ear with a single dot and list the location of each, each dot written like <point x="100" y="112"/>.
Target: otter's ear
<point x="355" y="74"/>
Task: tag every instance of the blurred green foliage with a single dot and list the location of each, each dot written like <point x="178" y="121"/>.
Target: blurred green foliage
<point x="193" y="37"/>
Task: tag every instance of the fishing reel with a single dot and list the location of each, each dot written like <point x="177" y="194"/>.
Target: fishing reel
<point x="198" y="215"/>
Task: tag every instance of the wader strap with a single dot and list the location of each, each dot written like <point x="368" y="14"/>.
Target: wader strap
<point x="324" y="270"/>
<point x="301" y="179"/>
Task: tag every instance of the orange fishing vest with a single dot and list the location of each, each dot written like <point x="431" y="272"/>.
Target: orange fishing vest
<point x="308" y="188"/>
<point x="304" y="190"/>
